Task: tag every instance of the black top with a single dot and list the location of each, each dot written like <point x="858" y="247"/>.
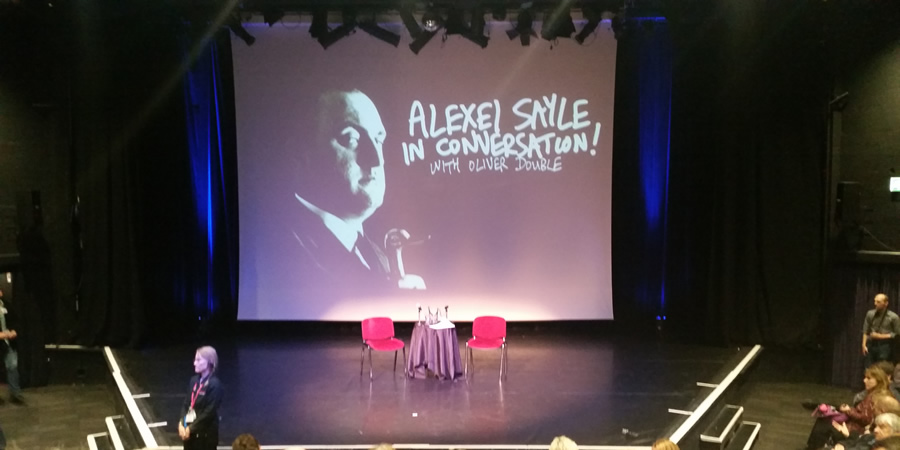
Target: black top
<point x="206" y="406"/>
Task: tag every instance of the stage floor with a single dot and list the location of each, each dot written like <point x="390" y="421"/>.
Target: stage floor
<point x="304" y="391"/>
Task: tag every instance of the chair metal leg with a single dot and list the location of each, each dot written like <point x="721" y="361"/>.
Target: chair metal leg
<point x="395" y="361"/>
<point x="501" y="363"/>
<point x="506" y="357"/>
<point x="362" y="356"/>
<point x="468" y="355"/>
<point x="370" y="363"/>
<point x="405" y="363"/>
<point x="504" y="368"/>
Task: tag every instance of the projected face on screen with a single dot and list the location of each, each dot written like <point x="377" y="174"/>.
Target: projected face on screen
<point x="341" y="183"/>
<point x="486" y="172"/>
<point x="346" y="169"/>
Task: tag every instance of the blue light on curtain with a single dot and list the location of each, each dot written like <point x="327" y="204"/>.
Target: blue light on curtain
<point x="204" y="144"/>
<point x="655" y="98"/>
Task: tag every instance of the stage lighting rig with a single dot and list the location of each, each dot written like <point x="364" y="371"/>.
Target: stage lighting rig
<point x="371" y="27"/>
<point x="476" y="29"/>
<point x="456" y="24"/>
<point x="345" y="29"/>
<point x="431" y="20"/>
<point x="431" y="23"/>
<point x="498" y="9"/>
<point x="272" y="15"/>
<point x="319" y="25"/>
<point x="409" y="21"/>
<point x="594" y="15"/>
<point x="234" y="24"/>
<point x="417" y="44"/>
<point x="558" y="21"/>
<point x="523" y="28"/>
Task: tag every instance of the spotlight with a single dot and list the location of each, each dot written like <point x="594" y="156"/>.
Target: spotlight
<point x="423" y="38"/>
<point x="319" y="25"/>
<point x="344" y="30"/>
<point x="380" y="33"/>
<point x="456" y="25"/>
<point x="431" y="21"/>
<point x="336" y="34"/>
<point x="272" y="15"/>
<point x="409" y="21"/>
<point x="498" y="10"/>
<point x="593" y="16"/>
<point x="558" y="22"/>
<point x="476" y="31"/>
<point x="234" y="24"/>
<point x="523" y="27"/>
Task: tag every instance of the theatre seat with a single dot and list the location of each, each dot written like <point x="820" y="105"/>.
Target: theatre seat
<point x="488" y="332"/>
<point x="378" y="335"/>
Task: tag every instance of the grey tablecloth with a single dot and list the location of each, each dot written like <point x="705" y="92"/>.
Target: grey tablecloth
<point x="433" y="352"/>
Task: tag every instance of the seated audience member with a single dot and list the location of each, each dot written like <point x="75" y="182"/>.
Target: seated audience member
<point x="895" y="381"/>
<point x="563" y="443"/>
<point x="885" y="426"/>
<point x="858" y="417"/>
<point x="891" y="443"/>
<point x="883" y="402"/>
<point x="245" y="441"/>
<point x="664" y="444"/>
<point x="893" y="385"/>
<point x="888" y="368"/>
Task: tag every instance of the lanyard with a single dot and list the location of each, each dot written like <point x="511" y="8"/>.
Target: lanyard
<point x="196" y="391"/>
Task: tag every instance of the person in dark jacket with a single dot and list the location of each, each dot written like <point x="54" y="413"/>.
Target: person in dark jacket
<point x="10" y="357"/>
<point x="198" y="425"/>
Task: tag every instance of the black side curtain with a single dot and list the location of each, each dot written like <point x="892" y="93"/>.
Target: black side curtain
<point x="852" y="290"/>
<point x="744" y="237"/>
<point x="149" y="270"/>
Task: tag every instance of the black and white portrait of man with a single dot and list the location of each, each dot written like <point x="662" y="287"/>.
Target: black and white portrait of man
<point x="340" y="184"/>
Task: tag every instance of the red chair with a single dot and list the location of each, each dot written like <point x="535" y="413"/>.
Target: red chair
<point x="488" y="332"/>
<point x="378" y="335"/>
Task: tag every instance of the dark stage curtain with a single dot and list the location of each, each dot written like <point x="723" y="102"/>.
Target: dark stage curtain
<point x="744" y="240"/>
<point x="641" y="170"/>
<point x="106" y="149"/>
<point x="208" y="92"/>
<point x="157" y="259"/>
<point x="852" y="290"/>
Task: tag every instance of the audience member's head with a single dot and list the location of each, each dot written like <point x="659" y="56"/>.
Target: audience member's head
<point x="875" y="379"/>
<point x="563" y="443"/>
<point x="383" y="446"/>
<point x="245" y="441"/>
<point x="664" y="444"/>
<point x="891" y="443"/>
<point x="886" y="425"/>
<point x="887" y="367"/>
<point x="886" y="403"/>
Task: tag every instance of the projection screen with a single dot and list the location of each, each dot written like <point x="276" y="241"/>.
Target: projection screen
<point x="373" y="180"/>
